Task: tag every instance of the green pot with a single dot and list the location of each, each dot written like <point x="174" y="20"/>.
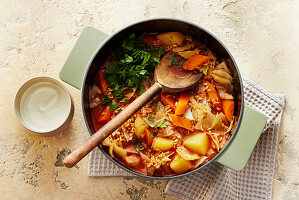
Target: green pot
<point x="93" y="47"/>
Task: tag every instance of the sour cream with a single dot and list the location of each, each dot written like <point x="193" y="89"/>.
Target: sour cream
<point x="44" y="106"/>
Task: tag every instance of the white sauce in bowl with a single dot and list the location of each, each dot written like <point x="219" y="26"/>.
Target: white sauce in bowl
<point x="44" y="107"/>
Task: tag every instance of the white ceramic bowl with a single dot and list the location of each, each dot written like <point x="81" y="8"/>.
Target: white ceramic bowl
<point x="40" y="127"/>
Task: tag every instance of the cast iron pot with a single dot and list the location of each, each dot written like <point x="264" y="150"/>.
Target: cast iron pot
<point x="94" y="46"/>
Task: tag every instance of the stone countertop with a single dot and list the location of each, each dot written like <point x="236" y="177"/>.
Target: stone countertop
<point x="37" y="36"/>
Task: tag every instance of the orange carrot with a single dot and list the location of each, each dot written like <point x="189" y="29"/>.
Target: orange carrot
<point x="181" y="122"/>
<point x="182" y="104"/>
<point x="168" y="100"/>
<point x="105" y="115"/>
<point x="149" y="139"/>
<point x="103" y="83"/>
<point x="195" y="61"/>
<point x="214" y="96"/>
<point x="228" y="106"/>
<point x="151" y="40"/>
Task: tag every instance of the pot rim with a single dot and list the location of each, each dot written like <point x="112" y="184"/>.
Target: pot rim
<point x="241" y="88"/>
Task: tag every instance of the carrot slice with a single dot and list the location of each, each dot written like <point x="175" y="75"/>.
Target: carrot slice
<point x="151" y="39"/>
<point x="182" y="104"/>
<point x="195" y="61"/>
<point x="214" y="96"/>
<point x="181" y="122"/>
<point x="228" y="106"/>
<point x="168" y="100"/>
<point x="149" y="139"/>
<point x="103" y="83"/>
<point x="105" y="115"/>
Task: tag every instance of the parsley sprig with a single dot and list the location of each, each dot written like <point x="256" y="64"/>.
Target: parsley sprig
<point x="133" y="64"/>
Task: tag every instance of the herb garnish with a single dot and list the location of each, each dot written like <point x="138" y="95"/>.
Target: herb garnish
<point x="174" y="62"/>
<point x="123" y="100"/>
<point x="113" y="105"/>
<point x="157" y="107"/>
<point x="170" y="56"/>
<point x="152" y="135"/>
<point x="133" y="66"/>
<point x="151" y="118"/>
<point x="142" y="90"/>
<point x="138" y="144"/>
<point x="161" y="124"/>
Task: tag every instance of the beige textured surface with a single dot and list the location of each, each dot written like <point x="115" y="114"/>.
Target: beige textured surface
<point x="36" y="37"/>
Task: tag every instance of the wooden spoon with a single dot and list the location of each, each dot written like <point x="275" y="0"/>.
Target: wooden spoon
<point x="164" y="81"/>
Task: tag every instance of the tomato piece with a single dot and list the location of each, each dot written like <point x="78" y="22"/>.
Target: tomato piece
<point x="105" y="115"/>
<point x="102" y="80"/>
<point x="151" y="40"/>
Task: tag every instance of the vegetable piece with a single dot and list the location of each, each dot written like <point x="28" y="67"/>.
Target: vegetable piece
<point x="183" y="48"/>
<point x="181" y="122"/>
<point x="149" y="137"/>
<point x="198" y="143"/>
<point x="214" y="96"/>
<point x="119" y="151"/>
<point x="132" y="160"/>
<point x="151" y="39"/>
<point x="162" y="144"/>
<point x="179" y="165"/>
<point x="140" y="126"/>
<point x="182" y="104"/>
<point x="103" y="83"/>
<point x="188" y="114"/>
<point x="195" y="61"/>
<point x="188" y="54"/>
<point x="168" y="100"/>
<point x="217" y="124"/>
<point x="109" y="144"/>
<point x="186" y="154"/>
<point x="105" y="115"/>
<point x="228" y="106"/>
<point x="170" y="38"/>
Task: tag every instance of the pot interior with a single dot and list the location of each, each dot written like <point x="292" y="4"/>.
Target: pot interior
<point x="162" y="25"/>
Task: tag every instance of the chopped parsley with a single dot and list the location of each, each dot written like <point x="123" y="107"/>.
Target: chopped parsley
<point x="133" y="65"/>
<point x="123" y="100"/>
<point x="161" y="51"/>
<point x="138" y="144"/>
<point x="142" y="90"/>
<point x="157" y="107"/>
<point x="174" y="62"/>
<point x="151" y="118"/>
<point x="152" y="135"/>
<point x="171" y="56"/>
<point x="180" y="68"/>
<point x="113" y="105"/>
<point x="161" y="124"/>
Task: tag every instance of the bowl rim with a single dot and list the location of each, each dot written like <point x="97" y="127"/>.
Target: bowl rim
<point x="25" y="86"/>
<point x="241" y="88"/>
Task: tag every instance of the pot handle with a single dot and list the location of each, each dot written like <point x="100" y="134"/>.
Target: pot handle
<point x="75" y="66"/>
<point x="239" y="151"/>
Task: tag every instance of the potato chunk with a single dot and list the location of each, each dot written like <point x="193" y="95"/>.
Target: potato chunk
<point x="179" y="165"/>
<point x="170" y="38"/>
<point x="132" y="160"/>
<point x="198" y="143"/>
<point x="140" y="126"/>
<point x="162" y="144"/>
<point x="119" y="151"/>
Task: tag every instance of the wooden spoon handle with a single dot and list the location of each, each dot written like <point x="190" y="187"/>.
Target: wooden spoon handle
<point x="89" y="144"/>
